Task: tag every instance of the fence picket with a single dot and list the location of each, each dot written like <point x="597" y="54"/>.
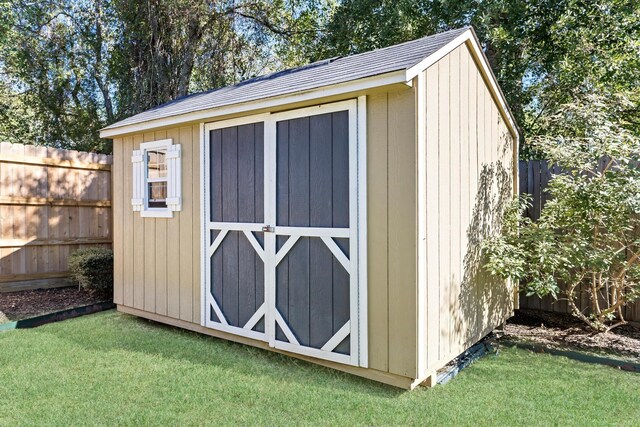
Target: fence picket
<point x="52" y="202"/>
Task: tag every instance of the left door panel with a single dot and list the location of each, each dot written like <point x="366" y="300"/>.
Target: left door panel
<point x="235" y="267"/>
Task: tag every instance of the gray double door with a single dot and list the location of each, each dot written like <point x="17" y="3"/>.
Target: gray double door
<point x="280" y="232"/>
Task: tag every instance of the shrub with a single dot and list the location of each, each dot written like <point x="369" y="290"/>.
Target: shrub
<point x="92" y="268"/>
<point x="586" y="244"/>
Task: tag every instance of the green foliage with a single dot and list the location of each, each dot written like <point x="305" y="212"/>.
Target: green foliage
<point x="71" y="67"/>
<point x="587" y="240"/>
<point x="542" y="51"/>
<point x="92" y="268"/>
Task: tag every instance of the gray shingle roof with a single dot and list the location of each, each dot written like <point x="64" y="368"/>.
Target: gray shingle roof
<point x="323" y="73"/>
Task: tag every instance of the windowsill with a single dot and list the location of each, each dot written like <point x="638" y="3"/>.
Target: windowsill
<point x="156" y="213"/>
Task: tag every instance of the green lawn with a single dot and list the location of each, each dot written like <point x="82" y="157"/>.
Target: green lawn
<point x="114" y="369"/>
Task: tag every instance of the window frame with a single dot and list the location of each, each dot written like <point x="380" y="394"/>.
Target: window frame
<point x="148" y="212"/>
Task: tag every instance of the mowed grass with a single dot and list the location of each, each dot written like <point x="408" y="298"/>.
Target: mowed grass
<point x="114" y="369"/>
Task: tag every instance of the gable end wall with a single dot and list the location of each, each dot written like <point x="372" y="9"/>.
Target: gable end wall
<point x="468" y="178"/>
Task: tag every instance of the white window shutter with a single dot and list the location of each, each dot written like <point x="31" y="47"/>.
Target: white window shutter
<point x="137" y="162"/>
<point x="174" y="172"/>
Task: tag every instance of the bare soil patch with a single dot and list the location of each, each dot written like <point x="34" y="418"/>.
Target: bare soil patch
<point x="560" y="330"/>
<point x="25" y="304"/>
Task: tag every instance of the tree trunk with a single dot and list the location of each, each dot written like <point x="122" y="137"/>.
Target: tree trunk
<point x="99" y="66"/>
<point x="189" y="53"/>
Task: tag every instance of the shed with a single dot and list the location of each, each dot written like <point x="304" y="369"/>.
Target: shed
<point x="332" y="212"/>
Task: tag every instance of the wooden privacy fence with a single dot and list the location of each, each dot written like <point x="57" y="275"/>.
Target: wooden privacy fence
<point x="52" y="202"/>
<point x="535" y="176"/>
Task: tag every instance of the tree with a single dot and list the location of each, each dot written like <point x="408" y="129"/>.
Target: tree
<point x="45" y="77"/>
<point x="542" y="51"/>
<point x="587" y="240"/>
<point x="71" y="67"/>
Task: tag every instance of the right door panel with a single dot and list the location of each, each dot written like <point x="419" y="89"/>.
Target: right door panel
<point x="313" y="235"/>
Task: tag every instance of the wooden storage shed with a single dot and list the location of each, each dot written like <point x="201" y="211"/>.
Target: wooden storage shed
<point x="333" y="212"/>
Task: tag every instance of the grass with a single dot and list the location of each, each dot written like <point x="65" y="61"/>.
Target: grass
<point x="114" y="369"/>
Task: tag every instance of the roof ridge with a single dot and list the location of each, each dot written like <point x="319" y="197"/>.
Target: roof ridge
<point x="334" y="58"/>
<point x="461" y="29"/>
<point x="317" y="63"/>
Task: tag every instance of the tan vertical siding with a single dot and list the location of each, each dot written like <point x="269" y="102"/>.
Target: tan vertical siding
<point x="126" y="233"/>
<point x="157" y="259"/>
<point x="391" y="231"/>
<point x="457" y="186"/>
<point x="467" y="178"/>
<point x="466" y="153"/>
<point x="377" y="231"/>
<point x="161" y="257"/>
<point x="470" y="174"/>
<point x="444" y="202"/>
<point x="138" y="247"/>
<point x="117" y="177"/>
<point x="195" y="224"/>
<point x="186" y="226"/>
<point x="149" y="254"/>
<point x="402" y="232"/>
<point x="432" y="218"/>
<point x="173" y="247"/>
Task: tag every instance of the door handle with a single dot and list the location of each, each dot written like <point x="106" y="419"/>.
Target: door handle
<point x="267" y="229"/>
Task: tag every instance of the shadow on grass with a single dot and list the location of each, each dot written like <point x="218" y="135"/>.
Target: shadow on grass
<point x="112" y="331"/>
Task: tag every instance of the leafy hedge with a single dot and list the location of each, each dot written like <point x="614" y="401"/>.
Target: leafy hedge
<point x="92" y="268"/>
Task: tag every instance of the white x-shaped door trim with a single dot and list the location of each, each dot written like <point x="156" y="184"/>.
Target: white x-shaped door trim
<point x="355" y="264"/>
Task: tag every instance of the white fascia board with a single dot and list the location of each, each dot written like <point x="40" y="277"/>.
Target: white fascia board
<point x="437" y="55"/>
<point x="395" y="77"/>
<point x="473" y="43"/>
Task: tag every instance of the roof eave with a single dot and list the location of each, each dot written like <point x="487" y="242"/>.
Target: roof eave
<point x="395" y="77"/>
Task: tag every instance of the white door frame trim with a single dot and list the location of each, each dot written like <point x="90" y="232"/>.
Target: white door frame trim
<point x="208" y="248"/>
<point x="357" y="232"/>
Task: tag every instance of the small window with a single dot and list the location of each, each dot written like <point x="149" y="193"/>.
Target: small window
<point x="156" y="179"/>
<point x="156" y="165"/>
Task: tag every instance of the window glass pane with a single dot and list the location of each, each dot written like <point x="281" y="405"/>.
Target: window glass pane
<point x="157" y="194"/>
<point x="156" y="163"/>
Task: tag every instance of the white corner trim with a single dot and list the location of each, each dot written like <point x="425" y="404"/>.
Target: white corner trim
<point x="204" y="141"/>
<point x="421" y="295"/>
<point x="354" y="291"/>
<point x="363" y="300"/>
<point x="472" y="42"/>
<point x="270" y="190"/>
<point x="395" y="77"/>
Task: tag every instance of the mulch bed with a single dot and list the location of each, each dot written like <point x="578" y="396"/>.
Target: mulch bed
<point x="563" y="331"/>
<point x="25" y="304"/>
